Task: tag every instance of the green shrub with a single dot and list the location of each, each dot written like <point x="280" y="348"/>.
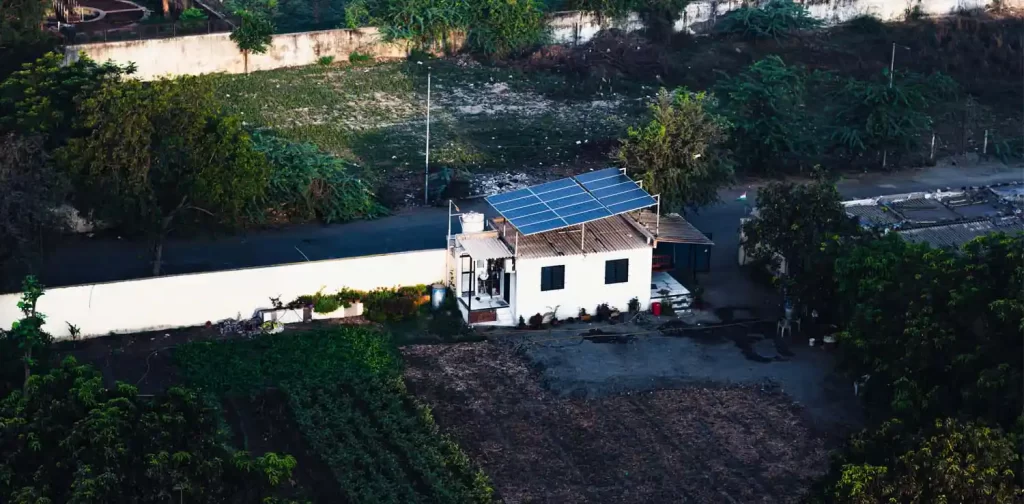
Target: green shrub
<point x="307" y="183"/>
<point x="872" y="116"/>
<point x="777" y="19"/>
<point x="192" y="19"/>
<point x="393" y="305"/>
<point x="325" y="60"/>
<point x="866" y="23"/>
<point x="503" y="28"/>
<point x="765" y="106"/>
<point x="356" y="57"/>
<point x="326" y="304"/>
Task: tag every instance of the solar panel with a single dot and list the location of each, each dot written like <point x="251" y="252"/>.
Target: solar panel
<point x="549" y="206"/>
<point x="615" y="191"/>
<point x="568" y="202"/>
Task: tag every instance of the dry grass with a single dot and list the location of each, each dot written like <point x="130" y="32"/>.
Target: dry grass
<point x="698" y="444"/>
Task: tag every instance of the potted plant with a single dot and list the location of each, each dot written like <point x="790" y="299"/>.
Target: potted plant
<point x="634" y="305"/>
<point x="603" y="312"/>
<point x="584" y="316"/>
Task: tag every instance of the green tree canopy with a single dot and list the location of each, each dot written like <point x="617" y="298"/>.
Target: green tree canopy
<point x="948" y="462"/>
<point x="807" y="225"/>
<point x="40" y="98"/>
<point x="765" y="105"/>
<point x="874" y="116"/>
<point x="162" y="155"/>
<point x="67" y="438"/>
<point x="254" y="33"/>
<point x="32" y="189"/>
<point x="25" y="347"/>
<point x="938" y="331"/>
<point x="680" y="153"/>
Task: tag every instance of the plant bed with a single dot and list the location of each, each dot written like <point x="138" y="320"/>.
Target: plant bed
<point x="263" y="423"/>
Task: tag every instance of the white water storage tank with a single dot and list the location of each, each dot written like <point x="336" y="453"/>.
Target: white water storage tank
<point x="472" y="222"/>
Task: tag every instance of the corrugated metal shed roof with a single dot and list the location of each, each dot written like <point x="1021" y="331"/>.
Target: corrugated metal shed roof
<point x="957" y="234"/>
<point x="874" y="214"/>
<point x="484" y="247"/>
<point x="606" y="235"/>
<point x="673" y="228"/>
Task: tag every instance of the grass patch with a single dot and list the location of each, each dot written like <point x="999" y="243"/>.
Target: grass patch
<point x="346" y="393"/>
<point x="482" y="118"/>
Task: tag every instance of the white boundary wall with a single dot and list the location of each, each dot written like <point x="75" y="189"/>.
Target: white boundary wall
<point x="191" y="300"/>
<point x="212" y="53"/>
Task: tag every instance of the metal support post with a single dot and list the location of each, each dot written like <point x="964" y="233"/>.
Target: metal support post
<point x="426" y="168"/>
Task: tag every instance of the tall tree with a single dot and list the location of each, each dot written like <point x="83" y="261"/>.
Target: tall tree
<point x="949" y="461"/>
<point x="161" y="156"/>
<point x="26" y="342"/>
<point x="807" y="226"/>
<point x="70" y="439"/>
<point x="939" y="332"/>
<point x="21" y="21"/>
<point x="680" y="153"/>
<point x="765" y="105"/>
<point x="40" y="98"/>
<point x="32" y="189"/>
<point x="253" y="34"/>
<point x="22" y="38"/>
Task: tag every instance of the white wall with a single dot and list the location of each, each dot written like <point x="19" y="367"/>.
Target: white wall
<point x="190" y="300"/>
<point x="215" y="52"/>
<point x="584" y="284"/>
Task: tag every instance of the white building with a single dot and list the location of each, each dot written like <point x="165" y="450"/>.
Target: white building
<point x="579" y="243"/>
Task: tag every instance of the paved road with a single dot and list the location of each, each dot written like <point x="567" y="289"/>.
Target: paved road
<point x="83" y="260"/>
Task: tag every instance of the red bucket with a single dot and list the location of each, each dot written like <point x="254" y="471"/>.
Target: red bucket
<point x="656" y="308"/>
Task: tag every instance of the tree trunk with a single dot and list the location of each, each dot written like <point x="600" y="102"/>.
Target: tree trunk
<point x="245" y="59"/>
<point x="28" y="371"/>
<point x="166" y="4"/>
<point x="158" y="255"/>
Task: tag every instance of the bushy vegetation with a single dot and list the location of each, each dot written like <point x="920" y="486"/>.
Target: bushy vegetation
<point x="492" y="27"/>
<point x="776" y="19"/>
<point x="765" y="105"/>
<point x="681" y="152"/>
<point x="162" y="155"/>
<point x="151" y="158"/>
<point x="345" y="389"/>
<point x="65" y="437"/>
<point x="933" y="335"/>
<point x="307" y="183"/>
<point x="807" y="226"/>
<point x="781" y="125"/>
<point x="887" y="115"/>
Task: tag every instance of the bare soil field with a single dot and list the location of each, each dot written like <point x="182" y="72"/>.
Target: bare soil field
<point x="693" y="444"/>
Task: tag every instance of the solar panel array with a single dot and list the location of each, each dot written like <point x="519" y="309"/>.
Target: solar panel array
<point x="615" y="191"/>
<point x="567" y="202"/>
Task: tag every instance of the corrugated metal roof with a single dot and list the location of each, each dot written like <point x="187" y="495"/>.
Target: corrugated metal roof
<point x="874" y="214"/>
<point x="673" y="228"/>
<point x="957" y="234"/>
<point x="486" y="247"/>
<point x="606" y="235"/>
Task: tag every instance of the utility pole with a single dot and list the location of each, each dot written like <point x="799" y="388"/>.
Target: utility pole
<point x="426" y="168"/>
<point x="892" y="64"/>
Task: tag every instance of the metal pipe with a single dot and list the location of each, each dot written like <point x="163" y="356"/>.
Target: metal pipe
<point x="583" y="231"/>
<point x="426" y="168"/>
<point x="657" y="217"/>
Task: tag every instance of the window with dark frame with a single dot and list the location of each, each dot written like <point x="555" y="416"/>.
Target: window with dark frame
<point x="552" y="278"/>
<point x="616" y="271"/>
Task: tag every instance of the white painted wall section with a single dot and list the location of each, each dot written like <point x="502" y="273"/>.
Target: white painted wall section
<point x="584" y="284"/>
<point x="190" y="300"/>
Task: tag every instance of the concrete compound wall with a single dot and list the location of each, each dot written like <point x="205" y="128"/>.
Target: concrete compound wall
<point x="191" y="300"/>
<point x="215" y="52"/>
<point x="211" y="53"/>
